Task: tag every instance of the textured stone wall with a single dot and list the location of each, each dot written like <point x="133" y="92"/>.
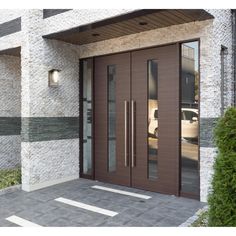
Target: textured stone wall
<point x="10" y="14"/>
<point x="51" y="162"/>
<point x="10" y="112"/>
<point x="11" y="40"/>
<point x="47" y="162"/>
<point x="221" y="35"/>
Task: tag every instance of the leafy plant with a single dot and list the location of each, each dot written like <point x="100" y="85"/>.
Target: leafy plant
<point x="10" y="177"/>
<point x="222" y="200"/>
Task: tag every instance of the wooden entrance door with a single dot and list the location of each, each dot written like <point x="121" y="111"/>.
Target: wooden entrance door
<point x="137" y="122"/>
<point x="111" y="90"/>
<point x="155" y="91"/>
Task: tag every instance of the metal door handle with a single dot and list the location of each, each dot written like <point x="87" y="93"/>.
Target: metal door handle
<point x="133" y="155"/>
<point x="126" y="133"/>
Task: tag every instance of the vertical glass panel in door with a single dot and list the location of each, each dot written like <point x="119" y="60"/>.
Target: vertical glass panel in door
<point x="189" y="118"/>
<point x="87" y="116"/>
<point x="152" y="119"/>
<point x="111" y="118"/>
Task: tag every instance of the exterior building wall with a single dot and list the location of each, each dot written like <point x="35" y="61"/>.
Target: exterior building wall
<point x="11" y="40"/>
<point x="10" y="112"/>
<point x="10" y="14"/>
<point x="38" y="56"/>
<point x="48" y="157"/>
<point x="221" y="35"/>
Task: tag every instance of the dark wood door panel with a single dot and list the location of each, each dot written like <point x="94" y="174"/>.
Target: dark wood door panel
<point x="132" y="84"/>
<point x="168" y="119"/>
<point x="122" y="92"/>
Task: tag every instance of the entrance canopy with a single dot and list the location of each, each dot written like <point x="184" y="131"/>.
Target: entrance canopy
<point x="130" y="23"/>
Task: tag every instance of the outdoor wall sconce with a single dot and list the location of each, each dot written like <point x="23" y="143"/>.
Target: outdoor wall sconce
<point x="53" y="78"/>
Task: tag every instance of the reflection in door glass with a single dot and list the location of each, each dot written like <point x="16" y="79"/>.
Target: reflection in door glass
<point x="189" y="118"/>
<point x="152" y="119"/>
<point x="87" y="116"/>
<point x="111" y="118"/>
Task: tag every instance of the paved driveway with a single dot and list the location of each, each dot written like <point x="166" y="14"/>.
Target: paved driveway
<point x="91" y="203"/>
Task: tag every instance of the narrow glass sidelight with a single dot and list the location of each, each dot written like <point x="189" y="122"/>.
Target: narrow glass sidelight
<point x="153" y="137"/>
<point x="87" y="117"/>
<point x="190" y="118"/>
<point x="111" y="78"/>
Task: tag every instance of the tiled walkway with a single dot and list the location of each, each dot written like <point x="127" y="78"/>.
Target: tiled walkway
<point x="91" y="203"/>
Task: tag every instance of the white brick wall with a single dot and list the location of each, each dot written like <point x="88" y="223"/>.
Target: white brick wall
<point x="10" y="90"/>
<point x="11" y="40"/>
<point x="49" y="162"/>
<point x="210" y="88"/>
<point x="10" y="14"/>
<point x="10" y="106"/>
<point x="10" y="149"/>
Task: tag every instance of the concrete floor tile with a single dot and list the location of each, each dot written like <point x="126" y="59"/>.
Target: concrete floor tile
<point x="41" y="208"/>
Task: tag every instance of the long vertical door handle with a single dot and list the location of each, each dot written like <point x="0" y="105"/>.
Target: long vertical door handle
<point x="133" y="155"/>
<point x="126" y="133"/>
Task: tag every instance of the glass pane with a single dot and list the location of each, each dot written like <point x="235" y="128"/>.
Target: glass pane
<point x="152" y="119"/>
<point x="87" y="116"/>
<point x="189" y="121"/>
<point x="111" y="118"/>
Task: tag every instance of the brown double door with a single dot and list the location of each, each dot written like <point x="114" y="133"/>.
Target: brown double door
<point x="136" y="119"/>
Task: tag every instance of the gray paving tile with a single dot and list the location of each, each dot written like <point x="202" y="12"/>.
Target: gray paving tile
<point x="110" y="224"/>
<point x="133" y="212"/>
<point x="41" y="208"/>
<point x="6" y="223"/>
<point x="63" y="222"/>
<point x="119" y="219"/>
<point x="169" y="222"/>
<point x="149" y="218"/>
<point x="138" y="223"/>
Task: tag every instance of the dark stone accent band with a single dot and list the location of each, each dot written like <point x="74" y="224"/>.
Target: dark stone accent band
<point x="52" y="12"/>
<point x="36" y="129"/>
<point x="207" y="126"/>
<point x="10" y="27"/>
<point x="10" y="126"/>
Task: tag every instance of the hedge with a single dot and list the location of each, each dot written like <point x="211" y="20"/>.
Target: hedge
<point x="222" y="200"/>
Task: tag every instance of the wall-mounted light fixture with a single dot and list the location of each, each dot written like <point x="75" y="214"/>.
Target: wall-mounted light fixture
<point x="53" y="78"/>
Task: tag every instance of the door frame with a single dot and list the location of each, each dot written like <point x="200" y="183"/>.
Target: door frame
<point x="92" y="176"/>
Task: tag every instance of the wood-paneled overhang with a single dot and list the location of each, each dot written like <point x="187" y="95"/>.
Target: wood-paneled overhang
<point x="130" y="23"/>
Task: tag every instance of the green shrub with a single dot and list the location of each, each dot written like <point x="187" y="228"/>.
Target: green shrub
<point x="222" y="200"/>
<point x="10" y="177"/>
<point x="225" y="132"/>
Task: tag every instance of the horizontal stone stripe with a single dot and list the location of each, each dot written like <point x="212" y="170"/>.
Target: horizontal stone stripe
<point x="10" y="27"/>
<point x="52" y="12"/>
<point x="10" y="126"/>
<point x="36" y="129"/>
<point x="56" y="128"/>
<point x="207" y="126"/>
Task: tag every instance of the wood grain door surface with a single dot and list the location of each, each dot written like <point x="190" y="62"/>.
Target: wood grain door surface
<point x="132" y="85"/>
